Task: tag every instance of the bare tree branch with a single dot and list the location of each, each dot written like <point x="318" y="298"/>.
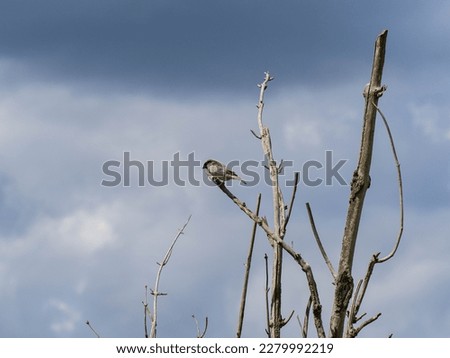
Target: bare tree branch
<point x="286" y="320"/>
<point x="146" y="312"/>
<point x="358" y="297"/>
<point x="400" y="187"/>
<point x="359" y="186"/>
<point x="312" y="285"/>
<point x="266" y="259"/>
<point x="355" y="331"/>
<point x="202" y="334"/>
<point x="276" y="236"/>
<point x="278" y="214"/>
<point x="256" y="136"/>
<point x="353" y="310"/>
<point x="291" y="204"/>
<point x="319" y="243"/>
<point x="365" y="282"/>
<point x="155" y="292"/>
<point x="247" y="272"/>
<point x="92" y="329"/>
<point x="262" y="222"/>
<point x="306" y="319"/>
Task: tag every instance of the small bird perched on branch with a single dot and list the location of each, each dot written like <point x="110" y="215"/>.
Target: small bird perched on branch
<point x="218" y="172"/>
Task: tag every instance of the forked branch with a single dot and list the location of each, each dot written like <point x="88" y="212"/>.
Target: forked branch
<point x="276" y="235"/>
<point x="155" y="291"/>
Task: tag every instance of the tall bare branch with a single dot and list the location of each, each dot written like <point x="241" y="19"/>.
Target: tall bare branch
<point x="247" y="272"/>
<point x="278" y="214"/>
<point x="359" y="186"/>
<point x="276" y="235"/>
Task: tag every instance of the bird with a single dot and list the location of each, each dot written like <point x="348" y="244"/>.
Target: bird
<point x="218" y="172"/>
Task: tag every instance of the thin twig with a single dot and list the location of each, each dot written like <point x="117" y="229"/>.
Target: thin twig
<point x="319" y="243"/>
<point x="304" y="327"/>
<point x="206" y="328"/>
<point x="146" y="310"/>
<point x="400" y="187"/>
<point x="92" y="329"/>
<point x="155" y="292"/>
<point x="306" y="320"/>
<point x="256" y="136"/>
<point x="266" y="259"/>
<point x="200" y="335"/>
<point x="247" y="272"/>
<point x="359" y="294"/>
<point x="355" y="331"/>
<point x="300" y="324"/>
<point x="353" y="310"/>
<point x="365" y="284"/>
<point x="291" y="204"/>
<point x="286" y="320"/>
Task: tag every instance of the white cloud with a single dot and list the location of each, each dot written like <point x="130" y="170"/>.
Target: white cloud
<point x="432" y="120"/>
<point x="64" y="317"/>
<point x="84" y="232"/>
<point x="312" y="119"/>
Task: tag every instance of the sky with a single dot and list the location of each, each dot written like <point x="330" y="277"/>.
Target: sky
<point x="86" y="85"/>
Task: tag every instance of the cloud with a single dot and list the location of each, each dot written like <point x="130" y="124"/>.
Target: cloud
<point x="432" y="120"/>
<point x="81" y="84"/>
<point x="177" y="49"/>
<point x="81" y="233"/>
<point x="65" y="318"/>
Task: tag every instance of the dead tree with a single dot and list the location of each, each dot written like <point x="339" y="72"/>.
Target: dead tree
<point x="343" y="278"/>
<point x="359" y="185"/>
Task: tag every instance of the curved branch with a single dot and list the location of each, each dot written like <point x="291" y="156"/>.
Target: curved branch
<point x="400" y="187"/>
<point x="200" y="335"/>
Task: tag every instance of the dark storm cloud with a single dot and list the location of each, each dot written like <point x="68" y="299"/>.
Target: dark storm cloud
<point x="195" y="45"/>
